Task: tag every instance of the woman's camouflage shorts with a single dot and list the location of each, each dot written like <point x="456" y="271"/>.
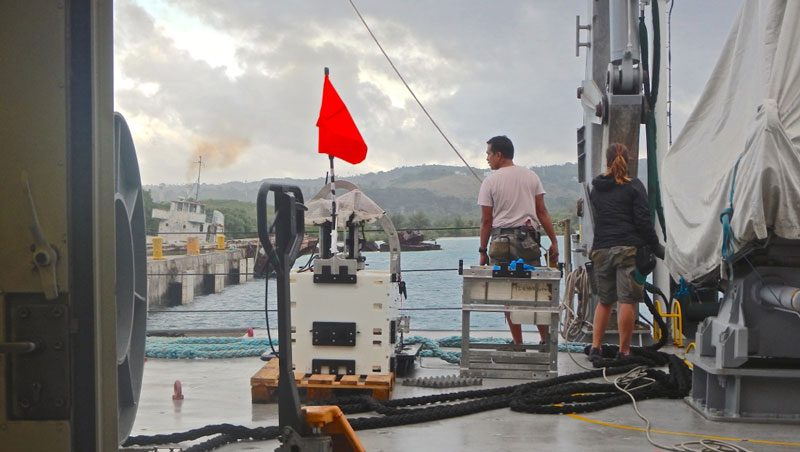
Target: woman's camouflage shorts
<point x="613" y="268"/>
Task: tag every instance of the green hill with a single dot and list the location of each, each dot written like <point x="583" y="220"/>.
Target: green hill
<point x="437" y="194"/>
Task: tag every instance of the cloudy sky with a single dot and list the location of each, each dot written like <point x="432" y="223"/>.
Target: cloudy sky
<point x="240" y="81"/>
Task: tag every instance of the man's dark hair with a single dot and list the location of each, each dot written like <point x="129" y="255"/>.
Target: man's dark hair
<point x="502" y="145"/>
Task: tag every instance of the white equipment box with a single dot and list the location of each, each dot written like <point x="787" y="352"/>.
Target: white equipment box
<point x="343" y="328"/>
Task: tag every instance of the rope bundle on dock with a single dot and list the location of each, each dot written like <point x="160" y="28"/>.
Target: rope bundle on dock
<point x="239" y="347"/>
<point x="433" y="348"/>
<point x="206" y="347"/>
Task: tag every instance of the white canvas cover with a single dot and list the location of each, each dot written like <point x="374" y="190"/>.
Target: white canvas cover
<point x="749" y="111"/>
<point x="352" y="202"/>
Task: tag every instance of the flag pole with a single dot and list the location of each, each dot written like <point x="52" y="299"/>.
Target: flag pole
<point x="334" y="233"/>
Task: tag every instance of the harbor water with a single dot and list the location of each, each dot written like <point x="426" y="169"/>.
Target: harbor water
<point x="433" y="303"/>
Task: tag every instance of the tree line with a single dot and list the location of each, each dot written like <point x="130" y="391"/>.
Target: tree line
<point x="240" y="220"/>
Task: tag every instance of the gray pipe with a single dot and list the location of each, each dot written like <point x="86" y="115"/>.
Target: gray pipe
<point x="623" y="30"/>
<point x="785" y="297"/>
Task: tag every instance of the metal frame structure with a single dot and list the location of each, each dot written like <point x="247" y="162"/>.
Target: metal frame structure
<point x="535" y="298"/>
<point x="746" y="362"/>
<point x="613" y="105"/>
<point x="289" y="228"/>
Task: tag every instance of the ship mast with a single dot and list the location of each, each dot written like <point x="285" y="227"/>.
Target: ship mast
<point x="199" y="163"/>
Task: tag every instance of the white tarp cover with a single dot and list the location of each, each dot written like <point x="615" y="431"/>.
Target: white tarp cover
<point x="352" y="202"/>
<point x="749" y="108"/>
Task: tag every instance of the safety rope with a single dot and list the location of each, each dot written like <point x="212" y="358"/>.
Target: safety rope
<point x="651" y="95"/>
<point x="424" y="110"/>
<point x="669" y="70"/>
<point x="575" y="312"/>
<point x="229" y="347"/>
<point x="433" y="348"/>
<point x="683" y="289"/>
<point x="725" y="218"/>
<point x="205" y="347"/>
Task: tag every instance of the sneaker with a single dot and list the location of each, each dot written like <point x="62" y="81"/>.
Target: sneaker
<point x="595" y="354"/>
<point x="623" y="355"/>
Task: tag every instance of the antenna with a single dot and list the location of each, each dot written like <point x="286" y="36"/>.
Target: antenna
<point x="199" y="163"/>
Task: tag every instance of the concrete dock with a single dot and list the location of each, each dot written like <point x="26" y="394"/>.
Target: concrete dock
<point x="175" y="280"/>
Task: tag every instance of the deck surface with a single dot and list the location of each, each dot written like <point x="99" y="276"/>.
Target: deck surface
<point x="218" y="391"/>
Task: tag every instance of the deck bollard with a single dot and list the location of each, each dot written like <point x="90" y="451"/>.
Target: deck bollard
<point x="158" y="245"/>
<point x="220" y="242"/>
<point x="177" y="391"/>
<point x="193" y="246"/>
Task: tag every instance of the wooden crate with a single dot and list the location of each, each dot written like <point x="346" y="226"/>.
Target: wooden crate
<point x="264" y="384"/>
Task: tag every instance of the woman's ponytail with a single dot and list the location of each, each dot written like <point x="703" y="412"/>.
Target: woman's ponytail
<point x="617" y="162"/>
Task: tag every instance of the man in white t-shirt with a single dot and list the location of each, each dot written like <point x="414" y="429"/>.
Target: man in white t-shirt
<point x="512" y="209"/>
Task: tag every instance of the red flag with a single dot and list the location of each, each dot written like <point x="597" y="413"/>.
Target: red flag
<point x="338" y="134"/>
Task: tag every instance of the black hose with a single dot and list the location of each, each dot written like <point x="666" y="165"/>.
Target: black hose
<point x="272" y="255"/>
<point x="656" y="316"/>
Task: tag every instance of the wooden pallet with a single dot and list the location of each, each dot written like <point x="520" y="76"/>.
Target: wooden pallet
<point x="264" y="384"/>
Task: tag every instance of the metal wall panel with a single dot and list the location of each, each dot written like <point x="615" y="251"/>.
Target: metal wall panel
<point x="33" y="137"/>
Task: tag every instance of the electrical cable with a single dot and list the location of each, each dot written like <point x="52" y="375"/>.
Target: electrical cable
<point x="669" y="70"/>
<point x="708" y="445"/>
<point x="624" y="382"/>
<point x="309" y="263"/>
<point x="686" y="352"/>
<point x="639" y="413"/>
<point x="431" y="270"/>
<point x="266" y="310"/>
<point x="695" y="435"/>
<point x="412" y="91"/>
<point x="271" y="256"/>
<point x="636" y="373"/>
<point x="183" y="311"/>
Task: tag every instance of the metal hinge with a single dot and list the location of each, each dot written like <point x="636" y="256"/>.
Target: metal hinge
<point x="44" y="255"/>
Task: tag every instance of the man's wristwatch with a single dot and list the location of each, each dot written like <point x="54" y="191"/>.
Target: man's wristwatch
<point x="481" y="250"/>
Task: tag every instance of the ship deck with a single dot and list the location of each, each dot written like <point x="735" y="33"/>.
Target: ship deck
<point x="218" y="391"/>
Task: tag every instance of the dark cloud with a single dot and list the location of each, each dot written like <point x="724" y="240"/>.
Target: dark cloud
<point x="480" y="68"/>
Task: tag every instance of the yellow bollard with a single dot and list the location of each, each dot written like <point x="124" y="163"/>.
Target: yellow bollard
<point x="677" y="323"/>
<point x="220" y="242"/>
<point x="158" y="244"/>
<point x="674" y="318"/>
<point x="193" y="246"/>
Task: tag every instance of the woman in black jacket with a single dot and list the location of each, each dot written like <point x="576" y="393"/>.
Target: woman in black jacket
<point x="622" y="224"/>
